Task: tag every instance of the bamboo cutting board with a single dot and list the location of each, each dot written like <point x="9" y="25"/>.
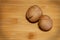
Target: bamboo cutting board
<point x="14" y="25"/>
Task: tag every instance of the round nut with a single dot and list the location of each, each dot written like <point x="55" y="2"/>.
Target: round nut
<point x="33" y="14"/>
<point x="45" y="23"/>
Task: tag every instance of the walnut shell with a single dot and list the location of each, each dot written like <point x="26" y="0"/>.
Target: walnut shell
<point x="33" y="14"/>
<point x="45" y="23"/>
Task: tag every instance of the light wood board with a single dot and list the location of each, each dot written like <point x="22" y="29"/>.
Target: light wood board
<point x="14" y="25"/>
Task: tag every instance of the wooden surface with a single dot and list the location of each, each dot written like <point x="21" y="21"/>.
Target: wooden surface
<point x="14" y="25"/>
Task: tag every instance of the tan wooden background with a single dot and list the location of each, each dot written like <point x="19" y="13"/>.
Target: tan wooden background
<point x="14" y="25"/>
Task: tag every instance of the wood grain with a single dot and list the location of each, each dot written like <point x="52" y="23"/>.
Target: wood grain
<point x="14" y="25"/>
